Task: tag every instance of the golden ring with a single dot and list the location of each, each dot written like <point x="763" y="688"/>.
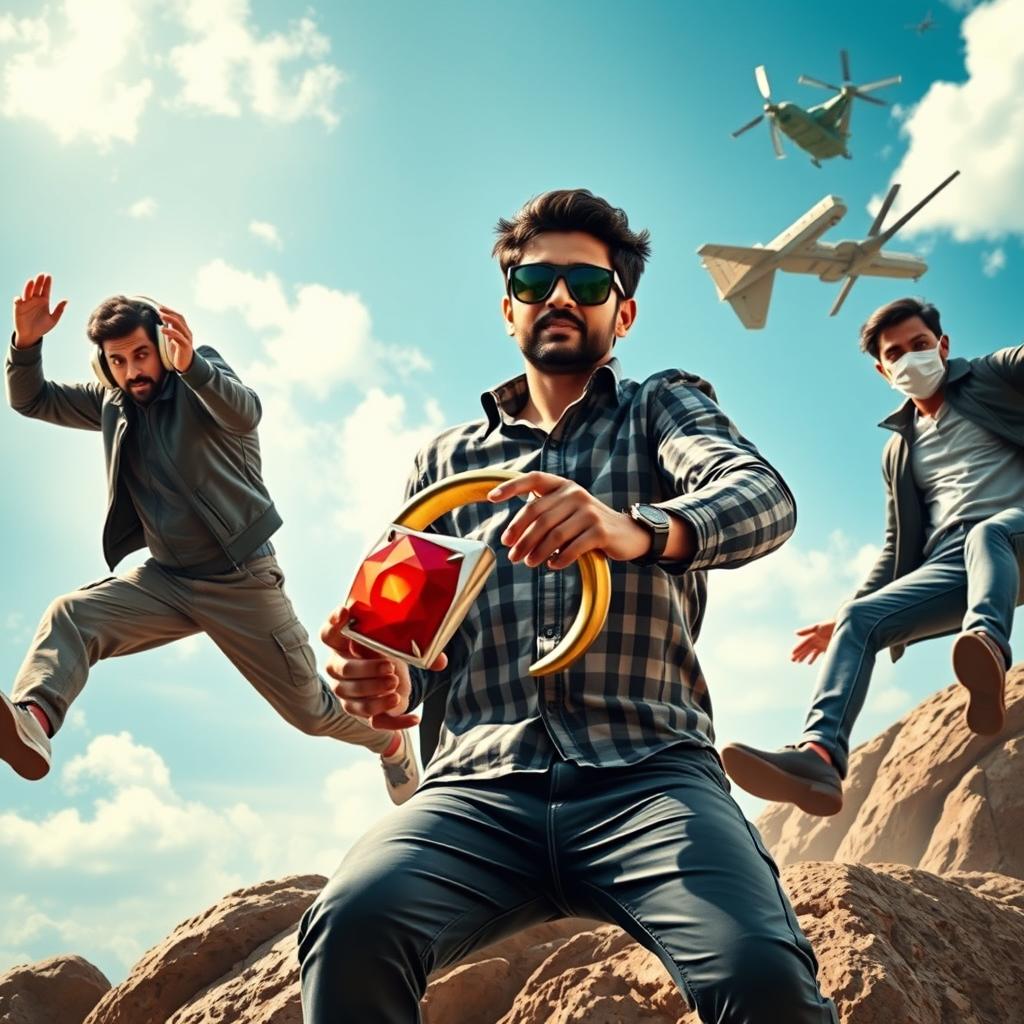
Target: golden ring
<point x="464" y="488"/>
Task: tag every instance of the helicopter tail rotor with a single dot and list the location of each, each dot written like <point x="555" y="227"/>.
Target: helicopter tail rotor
<point x="761" y="77"/>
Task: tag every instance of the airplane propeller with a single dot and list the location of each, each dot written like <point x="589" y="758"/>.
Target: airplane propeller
<point x="761" y="77"/>
<point x="875" y="241"/>
<point x="849" y="87"/>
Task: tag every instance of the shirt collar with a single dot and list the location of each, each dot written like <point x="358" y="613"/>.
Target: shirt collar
<point x="506" y="401"/>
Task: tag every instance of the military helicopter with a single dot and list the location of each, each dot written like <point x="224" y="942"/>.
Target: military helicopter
<point x="926" y="24"/>
<point x="823" y="130"/>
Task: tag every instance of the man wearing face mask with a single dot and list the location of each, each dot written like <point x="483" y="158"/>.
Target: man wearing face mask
<point x="954" y="477"/>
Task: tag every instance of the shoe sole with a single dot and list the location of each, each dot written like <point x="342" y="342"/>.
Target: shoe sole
<point x="28" y="763"/>
<point x="763" y="779"/>
<point x="977" y="670"/>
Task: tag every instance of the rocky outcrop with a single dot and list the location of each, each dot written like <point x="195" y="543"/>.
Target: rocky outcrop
<point x="233" y="962"/>
<point x="61" y="990"/>
<point x="933" y="936"/>
<point x="926" y="792"/>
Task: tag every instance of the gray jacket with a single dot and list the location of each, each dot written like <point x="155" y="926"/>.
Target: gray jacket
<point x="205" y="438"/>
<point x="989" y="391"/>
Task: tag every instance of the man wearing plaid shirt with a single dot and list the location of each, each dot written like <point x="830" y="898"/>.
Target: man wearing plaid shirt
<point x="595" y="791"/>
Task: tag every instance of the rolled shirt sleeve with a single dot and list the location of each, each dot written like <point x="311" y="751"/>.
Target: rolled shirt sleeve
<point x="737" y="504"/>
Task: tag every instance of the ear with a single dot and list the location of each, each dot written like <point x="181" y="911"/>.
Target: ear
<point x="944" y="346"/>
<point x="625" y="318"/>
<point x="881" y="369"/>
<point x="506" y="313"/>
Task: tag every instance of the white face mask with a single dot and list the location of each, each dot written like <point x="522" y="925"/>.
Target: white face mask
<point x="918" y="374"/>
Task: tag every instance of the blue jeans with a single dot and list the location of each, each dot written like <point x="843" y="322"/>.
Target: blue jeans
<point x="659" y="848"/>
<point x="970" y="580"/>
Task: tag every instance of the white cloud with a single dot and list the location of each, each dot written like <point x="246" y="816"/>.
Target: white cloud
<point x="142" y="208"/>
<point x="170" y="856"/>
<point x="993" y="261"/>
<point x="77" y="86"/>
<point x="265" y="231"/>
<point x="228" y="66"/>
<point x="88" y="69"/>
<point x="752" y="616"/>
<point x="354" y="464"/>
<point x="976" y="126"/>
<point x="321" y="340"/>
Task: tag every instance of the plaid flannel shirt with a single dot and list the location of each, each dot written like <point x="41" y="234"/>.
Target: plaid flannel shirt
<point x="640" y="687"/>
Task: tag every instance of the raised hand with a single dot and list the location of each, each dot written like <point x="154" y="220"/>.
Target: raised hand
<point x="370" y="685"/>
<point x="179" y="339"/>
<point x="32" y="315"/>
<point x="815" y="641"/>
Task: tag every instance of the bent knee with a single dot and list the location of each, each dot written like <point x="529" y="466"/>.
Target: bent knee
<point x="769" y="979"/>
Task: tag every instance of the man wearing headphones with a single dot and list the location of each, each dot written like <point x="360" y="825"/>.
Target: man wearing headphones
<point x="183" y="471"/>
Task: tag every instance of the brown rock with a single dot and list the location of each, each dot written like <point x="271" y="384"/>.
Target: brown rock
<point x="927" y="792"/>
<point x="60" y="990"/>
<point x="484" y="985"/>
<point x="601" y="977"/>
<point x="201" y="951"/>
<point x="995" y="887"/>
<point x="264" y="989"/>
<point x="896" y="944"/>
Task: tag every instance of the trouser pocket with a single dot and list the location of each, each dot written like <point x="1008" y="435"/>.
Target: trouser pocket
<point x="293" y="640"/>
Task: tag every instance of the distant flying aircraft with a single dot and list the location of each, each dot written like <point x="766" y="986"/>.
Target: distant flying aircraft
<point x="744" y="276"/>
<point x="822" y="130"/>
<point x="922" y="26"/>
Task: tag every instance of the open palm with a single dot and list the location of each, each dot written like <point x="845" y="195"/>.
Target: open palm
<point x="814" y="643"/>
<point x="32" y="315"/>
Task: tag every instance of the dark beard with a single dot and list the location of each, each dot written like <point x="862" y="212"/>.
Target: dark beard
<point x="562" y="357"/>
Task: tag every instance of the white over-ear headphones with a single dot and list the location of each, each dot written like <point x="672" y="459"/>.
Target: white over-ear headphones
<point x="99" y="360"/>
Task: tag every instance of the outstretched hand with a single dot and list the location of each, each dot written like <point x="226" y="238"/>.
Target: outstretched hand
<point x="32" y="315"/>
<point x="815" y="642"/>
<point x="370" y="685"/>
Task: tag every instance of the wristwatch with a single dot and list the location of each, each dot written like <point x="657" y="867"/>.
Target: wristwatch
<point x="655" y="520"/>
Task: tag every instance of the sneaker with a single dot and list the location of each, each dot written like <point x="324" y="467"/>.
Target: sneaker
<point x="401" y="770"/>
<point x="980" y="666"/>
<point x="794" y="775"/>
<point x="23" y="744"/>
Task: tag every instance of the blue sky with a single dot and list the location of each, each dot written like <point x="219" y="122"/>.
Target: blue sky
<point x="315" y="187"/>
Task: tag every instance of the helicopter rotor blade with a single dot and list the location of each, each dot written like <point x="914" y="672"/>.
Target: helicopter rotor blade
<point x="780" y="153"/>
<point x="761" y="76"/>
<point x="889" y="232"/>
<point x="739" y="131"/>
<point x="844" y="58"/>
<point x="808" y="80"/>
<point x="883" y="212"/>
<point x="843" y="292"/>
<point x="880" y="84"/>
<point x="869" y="99"/>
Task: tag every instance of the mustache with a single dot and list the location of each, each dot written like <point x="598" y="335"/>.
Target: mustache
<point x="549" y="318"/>
<point x="139" y="380"/>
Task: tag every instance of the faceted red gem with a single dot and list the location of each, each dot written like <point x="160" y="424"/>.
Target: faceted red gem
<point x="403" y="591"/>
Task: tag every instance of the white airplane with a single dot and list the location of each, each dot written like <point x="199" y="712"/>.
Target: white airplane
<point x="744" y="276"/>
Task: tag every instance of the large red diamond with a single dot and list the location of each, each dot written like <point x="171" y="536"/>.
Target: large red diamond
<point x="402" y="593"/>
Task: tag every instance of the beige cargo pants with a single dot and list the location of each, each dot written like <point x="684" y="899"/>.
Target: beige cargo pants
<point x="245" y="612"/>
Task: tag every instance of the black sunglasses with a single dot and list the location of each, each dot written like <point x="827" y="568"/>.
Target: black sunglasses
<point x="588" y="285"/>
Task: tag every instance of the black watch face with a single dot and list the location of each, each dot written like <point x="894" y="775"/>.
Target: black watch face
<point x="655" y="516"/>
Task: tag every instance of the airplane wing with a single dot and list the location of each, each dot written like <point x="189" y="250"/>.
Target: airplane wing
<point x="813" y="261"/>
<point x="728" y="263"/>
<point x="751" y="304"/>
